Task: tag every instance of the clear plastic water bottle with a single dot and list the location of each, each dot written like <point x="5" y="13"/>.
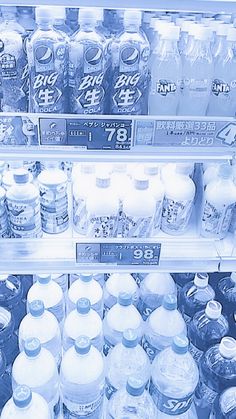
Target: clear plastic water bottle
<point x="8" y="339"/>
<point x="133" y="400"/>
<point x="195" y="295"/>
<point x="126" y="359"/>
<point x="162" y="326"/>
<point x="37" y="368"/>
<point x="59" y="22"/>
<point x="82" y="380"/>
<point x="123" y="315"/>
<point x="173" y="382"/>
<point x="206" y="328"/>
<point x="226" y="293"/>
<point x="11" y="297"/>
<point x="83" y="320"/>
<point x="225" y="405"/>
<point x="41" y="324"/>
<point x="217" y="372"/>
<point x="26" y="404"/>
<point x="116" y="283"/>
<point x="26" y="19"/>
<point x="5" y="382"/>
<point x="86" y="286"/>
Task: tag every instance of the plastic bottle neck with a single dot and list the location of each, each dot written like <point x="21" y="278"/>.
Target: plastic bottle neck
<point x="88" y="26"/>
<point x="45" y="26"/>
<point x="168" y="45"/>
<point x="131" y="27"/>
<point x="220" y="45"/>
<point x="202" y="48"/>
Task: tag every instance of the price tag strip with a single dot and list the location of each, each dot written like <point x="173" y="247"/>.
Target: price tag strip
<point x="118" y="253"/>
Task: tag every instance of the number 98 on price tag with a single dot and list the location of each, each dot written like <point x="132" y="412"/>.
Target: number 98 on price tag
<point x="131" y="254"/>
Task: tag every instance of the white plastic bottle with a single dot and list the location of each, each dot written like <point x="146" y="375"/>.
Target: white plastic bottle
<point x="218" y="204"/>
<point x="41" y="324"/>
<point x="123" y="315"/>
<point x="4" y="232"/>
<point x="116" y="283"/>
<point x="82" y="380"/>
<point x="86" y="286"/>
<point x="83" y="321"/>
<point x="50" y="293"/>
<point x="37" y="368"/>
<point x="26" y="405"/>
<point x="162" y="326"/>
<point x="156" y="186"/>
<point x="23" y="207"/>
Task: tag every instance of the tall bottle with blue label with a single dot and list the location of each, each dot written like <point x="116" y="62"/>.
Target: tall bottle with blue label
<point x="88" y="66"/>
<point x="225" y="405"/>
<point x="130" y="53"/>
<point x="47" y="52"/>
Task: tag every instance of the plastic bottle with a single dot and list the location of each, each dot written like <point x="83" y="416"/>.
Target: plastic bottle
<point x="220" y="43"/>
<point x="8" y="339"/>
<point x="206" y="328"/>
<point x="218" y="203"/>
<point x="62" y="280"/>
<point x="156" y="186"/>
<point x="82" y="380"/>
<point x="132" y="399"/>
<point x="162" y="326"/>
<point x="26" y="19"/>
<point x="121" y="183"/>
<point x="86" y="286"/>
<point x="26" y="405"/>
<point x="184" y="35"/>
<point x="226" y="293"/>
<point x="5" y="382"/>
<point x="116" y="283"/>
<point x="120" y="317"/>
<point x="88" y="66"/>
<point x="11" y="297"/>
<point x="195" y="295"/>
<point x="174" y="379"/>
<point x="130" y="52"/>
<point x="41" y="324"/>
<point x="36" y="367"/>
<point x="80" y="321"/>
<point x="225" y="405"/>
<point x="59" y="22"/>
<point x="54" y="200"/>
<point x="4" y="230"/>
<point x="152" y="291"/>
<point x="50" y="293"/>
<point x="47" y="52"/>
<point x="126" y="359"/>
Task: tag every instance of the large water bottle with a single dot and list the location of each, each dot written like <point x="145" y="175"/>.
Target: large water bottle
<point x="50" y="293"/>
<point x="206" y="328"/>
<point x="152" y="291"/>
<point x="125" y="359"/>
<point x="11" y="297"/>
<point x="86" y="286"/>
<point x="123" y="315"/>
<point x="27" y="405"/>
<point x="162" y="326"/>
<point x="83" y="320"/>
<point x="8" y="339"/>
<point x="225" y="405"/>
<point x="37" y="368"/>
<point x="195" y="295"/>
<point x="133" y="400"/>
<point x="116" y="283"/>
<point x="5" y="382"/>
<point x="41" y="324"/>
<point x="174" y="379"/>
<point x="82" y="381"/>
<point x="226" y="293"/>
<point x="217" y="372"/>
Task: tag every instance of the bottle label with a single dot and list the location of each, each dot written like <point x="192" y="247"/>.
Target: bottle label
<point x="107" y="346"/>
<point x="136" y="226"/>
<point x="24" y="217"/>
<point x="92" y="410"/>
<point x="139" y="277"/>
<point x="170" y="405"/>
<point x="80" y="215"/>
<point x="144" y="309"/>
<point x="166" y="87"/>
<point x="195" y="352"/>
<point x="205" y="396"/>
<point x="109" y="389"/>
<point x="149" y="349"/>
<point x="220" y="88"/>
<point x="175" y="215"/>
<point x="102" y="226"/>
<point x="216" y="221"/>
<point x="54" y="208"/>
<point x="157" y="217"/>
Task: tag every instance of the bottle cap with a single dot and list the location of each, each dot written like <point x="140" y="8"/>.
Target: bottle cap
<point x="180" y="344"/>
<point x="201" y="279"/>
<point x="169" y="302"/>
<point x="147" y="16"/>
<point x="125" y="299"/>
<point x="3" y="277"/>
<point x="43" y="278"/>
<point x="159" y="24"/>
<point x="99" y="14"/>
<point x="132" y="16"/>
<point x="6" y="10"/>
<point x="227" y="347"/>
<point x="86" y="277"/>
<point x="82" y="345"/>
<point x="225" y="170"/>
<point x="135" y="386"/>
<point x="233" y="276"/>
<point x="222" y="29"/>
<point x="83" y="305"/>
<point x="130" y="338"/>
<point x="44" y="14"/>
<point x="87" y="15"/>
<point x="141" y="184"/>
<point x="119" y="168"/>
<point x="32" y="347"/>
<point x="170" y="32"/>
<point x="151" y="170"/>
<point x="21" y="176"/>
<point x="59" y="12"/>
<point x="103" y="182"/>
<point x="22" y="396"/>
<point x="36" y="308"/>
<point x="213" y="310"/>
<point x="87" y="168"/>
<point x="186" y="25"/>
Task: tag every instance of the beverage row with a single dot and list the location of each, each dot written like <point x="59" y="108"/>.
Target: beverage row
<point x="125" y="62"/>
<point x="117" y="201"/>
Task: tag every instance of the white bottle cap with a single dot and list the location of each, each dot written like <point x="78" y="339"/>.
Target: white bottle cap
<point x="87" y="15"/>
<point x="225" y="171"/>
<point x="100" y="14"/>
<point x="151" y="169"/>
<point x="201" y="280"/>
<point x="231" y="35"/>
<point x="103" y="182"/>
<point x="44" y="14"/>
<point x="141" y="183"/>
<point x="3" y="277"/>
<point x="233" y="276"/>
<point x="119" y="168"/>
<point x="203" y="33"/>
<point x="170" y="32"/>
<point x="222" y="29"/>
<point x="193" y="29"/>
<point x="59" y="12"/>
<point x="227" y="347"/>
<point x="163" y="25"/>
<point x="187" y="25"/>
<point x="213" y="24"/>
<point x="132" y="16"/>
<point x="87" y="168"/>
<point x="213" y="310"/>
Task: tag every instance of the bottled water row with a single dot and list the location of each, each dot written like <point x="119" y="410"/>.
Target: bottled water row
<point x="116" y="62"/>
<point x="138" y="357"/>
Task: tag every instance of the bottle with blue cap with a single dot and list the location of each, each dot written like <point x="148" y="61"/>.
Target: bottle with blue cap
<point x="132" y="400"/>
<point x="8" y="338"/>
<point x="41" y="324"/>
<point x="26" y="404"/>
<point x="162" y="326"/>
<point x="226" y="293"/>
<point x="224" y="406"/>
<point x="174" y="379"/>
<point x="82" y="380"/>
<point x="36" y="367"/>
<point x="51" y="294"/>
<point x="11" y="297"/>
<point x="5" y="382"/>
<point x="23" y="207"/>
<point x="125" y="359"/>
<point x="86" y="286"/>
<point x="123" y="315"/>
<point x="116" y="283"/>
<point x="83" y="320"/>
